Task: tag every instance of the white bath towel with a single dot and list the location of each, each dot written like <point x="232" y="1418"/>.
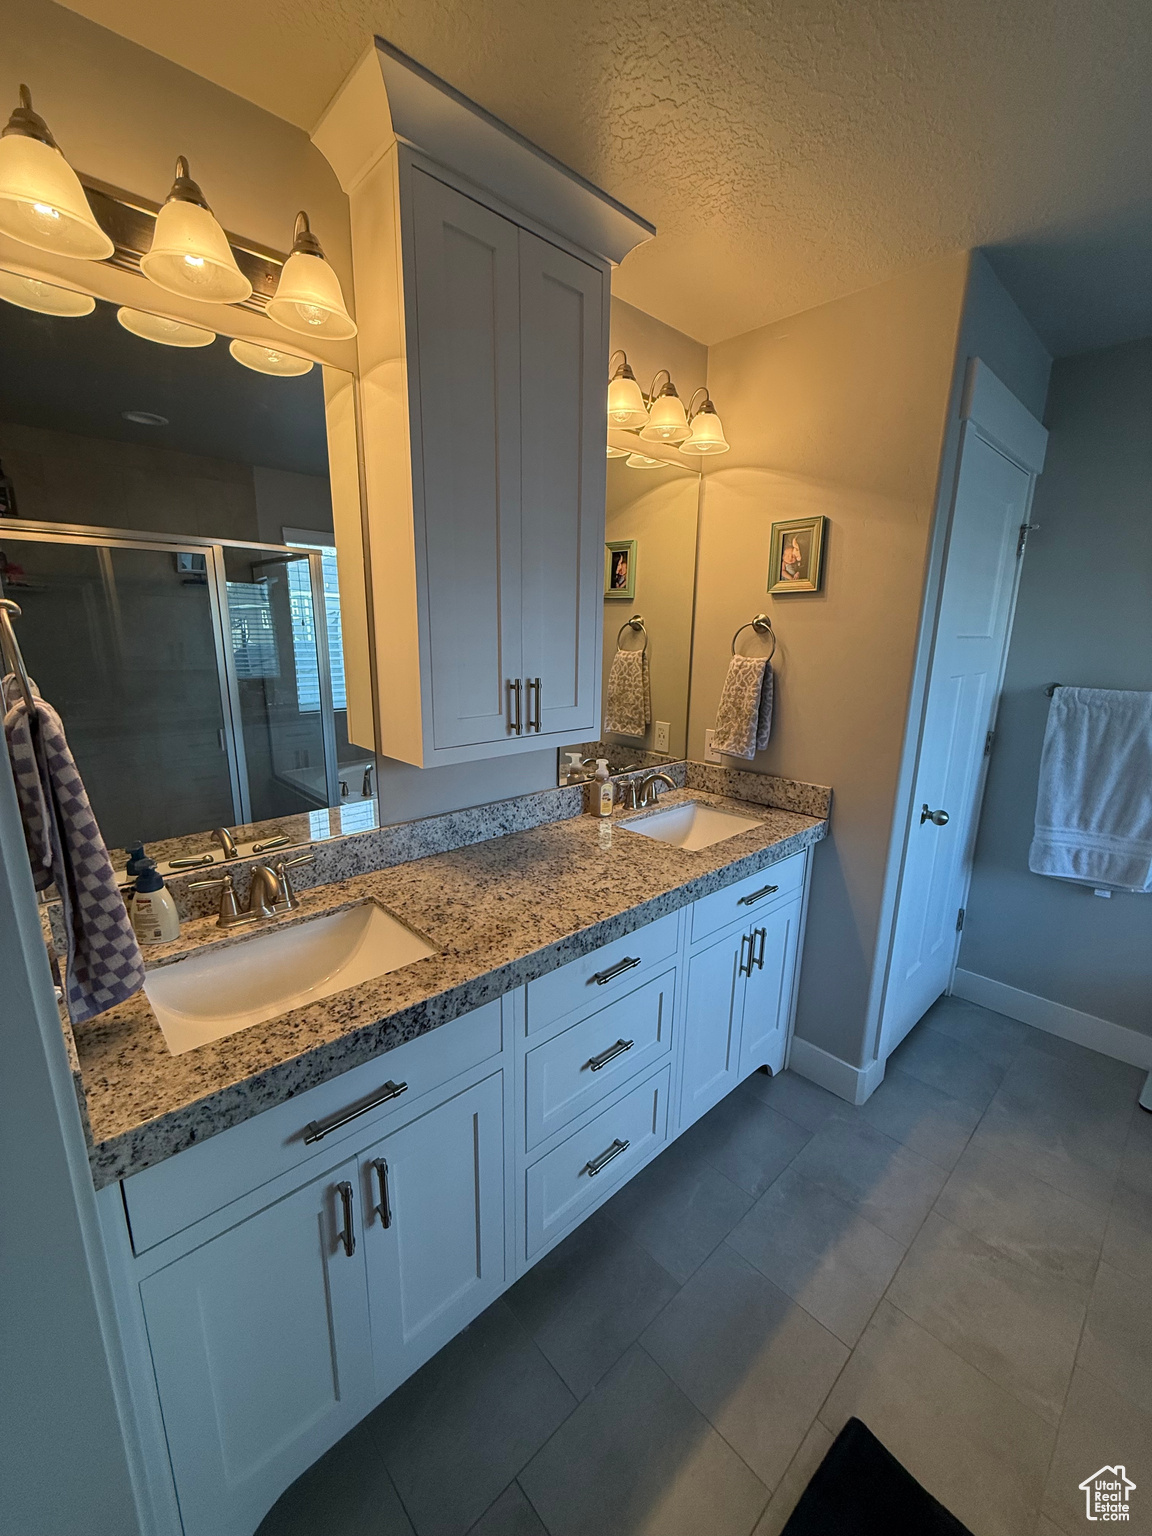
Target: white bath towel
<point x="1094" y="803"/>
<point x="744" y="718"/>
<point x="628" y="707"/>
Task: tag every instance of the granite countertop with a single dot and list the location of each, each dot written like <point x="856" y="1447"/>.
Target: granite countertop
<point x="499" y="912"/>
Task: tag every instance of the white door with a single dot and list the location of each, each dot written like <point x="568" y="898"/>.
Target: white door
<point x="980" y="575"/>
<point x="260" y="1343"/>
<point x="768" y="990"/>
<point x="434" y="1229"/>
<point x="712" y="1011"/>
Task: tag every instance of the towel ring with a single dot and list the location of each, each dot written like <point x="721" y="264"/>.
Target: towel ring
<point x="762" y="624"/>
<point x="634" y="623"/>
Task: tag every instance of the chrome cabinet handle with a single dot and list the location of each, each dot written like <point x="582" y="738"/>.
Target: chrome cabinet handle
<point x="530" y="687"/>
<point x="596" y="1062"/>
<point x="601" y="1162"/>
<point x="938" y="818"/>
<point x="380" y="1164"/>
<point x="602" y="978"/>
<point x="316" y="1130"/>
<point x="762" y="935"/>
<point x="754" y="896"/>
<point x="746" y="965"/>
<point x="515" y="694"/>
<point x="348" y="1235"/>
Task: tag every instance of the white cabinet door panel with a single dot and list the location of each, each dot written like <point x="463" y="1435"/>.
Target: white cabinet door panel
<point x="711" y="1027"/>
<point x="768" y="990"/>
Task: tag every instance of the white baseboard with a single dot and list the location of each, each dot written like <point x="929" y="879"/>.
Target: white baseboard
<point x="856" y="1084"/>
<point x="1114" y="1040"/>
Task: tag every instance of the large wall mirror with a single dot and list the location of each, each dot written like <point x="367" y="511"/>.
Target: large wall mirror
<point x="182" y="534"/>
<point x="650" y="583"/>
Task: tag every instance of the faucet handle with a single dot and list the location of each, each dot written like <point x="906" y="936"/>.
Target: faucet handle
<point x="230" y="913"/>
<point x="289" y="900"/>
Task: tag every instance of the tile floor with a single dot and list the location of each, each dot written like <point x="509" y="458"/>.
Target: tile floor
<point x="964" y="1262"/>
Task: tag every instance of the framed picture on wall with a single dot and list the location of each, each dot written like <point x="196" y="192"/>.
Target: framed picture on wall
<point x="796" y="563"/>
<point x="620" y="569"/>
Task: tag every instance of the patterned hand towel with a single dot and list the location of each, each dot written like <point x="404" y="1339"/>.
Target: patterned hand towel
<point x="628" y="707"/>
<point x="104" y="964"/>
<point x="744" y="719"/>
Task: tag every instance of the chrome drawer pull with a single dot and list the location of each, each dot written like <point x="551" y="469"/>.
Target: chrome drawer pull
<point x="598" y="1163"/>
<point x="746" y="965"/>
<point x="348" y="1235"/>
<point x="385" y="1207"/>
<point x="315" y="1130"/>
<point x="762" y="935"/>
<point x="610" y="1054"/>
<point x="602" y="978"/>
<point x="754" y="896"/>
<point x="515" y="696"/>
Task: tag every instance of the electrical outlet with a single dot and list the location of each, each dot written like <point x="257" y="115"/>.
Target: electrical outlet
<point x="710" y="755"/>
<point x="661" y="736"/>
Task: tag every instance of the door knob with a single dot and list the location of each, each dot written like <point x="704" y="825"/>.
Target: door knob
<point x="940" y="818"/>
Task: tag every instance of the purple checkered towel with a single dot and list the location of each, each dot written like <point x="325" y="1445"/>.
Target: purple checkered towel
<point x="104" y="964"/>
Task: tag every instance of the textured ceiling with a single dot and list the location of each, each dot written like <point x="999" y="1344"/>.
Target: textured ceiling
<point x="788" y="150"/>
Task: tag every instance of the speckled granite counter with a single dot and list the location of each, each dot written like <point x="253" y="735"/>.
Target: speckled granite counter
<point x="500" y="913"/>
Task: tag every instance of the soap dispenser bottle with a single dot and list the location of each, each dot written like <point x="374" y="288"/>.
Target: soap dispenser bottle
<point x="603" y="789"/>
<point x="152" y="909"/>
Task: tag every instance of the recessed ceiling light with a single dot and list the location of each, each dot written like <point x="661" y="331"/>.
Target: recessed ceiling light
<point x="145" y="418"/>
<point x="283" y="365"/>
<point x="169" y="333"/>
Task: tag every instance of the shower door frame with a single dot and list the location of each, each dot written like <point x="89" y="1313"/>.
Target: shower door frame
<point x="39" y="532"/>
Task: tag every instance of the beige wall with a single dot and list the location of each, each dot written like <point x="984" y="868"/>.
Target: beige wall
<point x="652" y="345"/>
<point x="839" y="411"/>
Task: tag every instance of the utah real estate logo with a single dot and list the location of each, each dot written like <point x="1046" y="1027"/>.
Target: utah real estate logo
<point x="1107" y="1494"/>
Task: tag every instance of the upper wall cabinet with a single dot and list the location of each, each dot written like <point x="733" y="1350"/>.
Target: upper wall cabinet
<point x="482" y="294"/>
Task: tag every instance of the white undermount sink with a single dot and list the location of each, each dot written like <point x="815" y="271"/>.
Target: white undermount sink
<point x="691" y="825"/>
<point x="226" y="989"/>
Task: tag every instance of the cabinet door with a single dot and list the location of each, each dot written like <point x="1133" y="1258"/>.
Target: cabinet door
<point x="715" y="997"/>
<point x="563" y="394"/>
<point x="434" y="1236"/>
<point x="260" y="1343"/>
<point x="768" y="990"/>
<point x="467" y="345"/>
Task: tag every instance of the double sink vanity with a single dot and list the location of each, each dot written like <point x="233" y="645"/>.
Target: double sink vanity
<point x="324" y="1143"/>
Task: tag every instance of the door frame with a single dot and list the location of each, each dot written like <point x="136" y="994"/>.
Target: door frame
<point x="990" y="411"/>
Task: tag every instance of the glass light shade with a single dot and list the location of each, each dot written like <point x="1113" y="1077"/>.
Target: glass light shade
<point x="642" y="461"/>
<point x="617" y="453"/>
<point x="45" y="298"/>
<point x="283" y="365"/>
<point x="169" y="333"/>
<point x="42" y="202"/>
<point x="707" y="433"/>
<point x="190" y="256"/>
<point x="309" y="300"/>
<point x="667" y="420"/>
<point x="626" y="406"/>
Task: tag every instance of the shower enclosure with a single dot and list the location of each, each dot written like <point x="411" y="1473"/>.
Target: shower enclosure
<point x="192" y="675"/>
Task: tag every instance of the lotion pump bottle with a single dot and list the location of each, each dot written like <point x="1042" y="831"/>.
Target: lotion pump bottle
<point x="153" y="911"/>
<point x="603" y="790"/>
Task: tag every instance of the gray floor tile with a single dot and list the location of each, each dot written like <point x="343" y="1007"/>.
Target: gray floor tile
<point x="679" y="1208"/>
<point x="1117" y="1344"/>
<point x="511" y="1515"/>
<point x="347" y="1491"/>
<point x="1030" y="1221"/>
<point x="815" y="1446"/>
<point x="637" y="1459"/>
<point x="1100" y="1428"/>
<point x="823" y="1253"/>
<point x="746" y="1141"/>
<point x="889" y="1185"/>
<point x="1128" y="1241"/>
<point x="944" y="1063"/>
<point x="1136" y="1164"/>
<point x="1018" y="1326"/>
<point x="971" y="1444"/>
<point x="990" y="1035"/>
<point x="756" y="1364"/>
<point x="1088" y="1060"/>
<point x="588" y="1299"/>
<point x="790" y="1094"/>
<point x="919" y="1116"/>
<point x="455" y="1434"/>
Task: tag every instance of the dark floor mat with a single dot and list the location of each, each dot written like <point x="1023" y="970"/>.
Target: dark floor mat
<point x="860" y="1489"/>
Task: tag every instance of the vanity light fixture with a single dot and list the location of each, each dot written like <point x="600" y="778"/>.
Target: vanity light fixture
<point x="667" y="419"/>
<point x="626" y="407"/>
<point x="642" y="461"/>
<point x="282" y="365"/>
<point x="145" y="418"/>
<point x="707" y="431"/>
<point x="169" y="333"/>
<point x="308" y="297"/>
<point x="617" y="453"/>
<point x="45" y="298"/>
<point x="42" y="202"/>
<point x="190" y="255"/>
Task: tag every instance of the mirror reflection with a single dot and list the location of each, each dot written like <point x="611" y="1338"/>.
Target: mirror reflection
<point x="650" y="579"/>
<point x="168" y="531"/>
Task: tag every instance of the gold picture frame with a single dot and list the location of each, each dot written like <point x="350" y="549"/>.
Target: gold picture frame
<point x="796" y="561"/>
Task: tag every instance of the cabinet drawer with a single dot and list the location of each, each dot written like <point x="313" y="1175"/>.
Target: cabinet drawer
<point x="169" y="1197"/>
<point x="599" y="977"/>
<point x="574" y="1070"/>
<point x="575" y="1176"/>
<point x="748" y="897"/>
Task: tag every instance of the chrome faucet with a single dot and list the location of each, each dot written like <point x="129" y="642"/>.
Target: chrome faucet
<point x="227" y="842"/>
<point x="270" y="893"/>
<point x="649" y="794"/>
